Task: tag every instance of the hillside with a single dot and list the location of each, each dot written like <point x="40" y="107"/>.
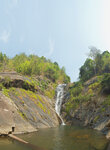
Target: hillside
<point x="89" y="104"/>
<point x="27" y="93"/>
<point x="23" y="105"/>
<point x="33" y="65"/>
<point x="87" y="101"/>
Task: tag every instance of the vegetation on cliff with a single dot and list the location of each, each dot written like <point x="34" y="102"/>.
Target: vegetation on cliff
<point x="34" y="65"/>
<point x="88" y="99"/>
<point x="29" y="82"/>
<point x="94" y="79"/>
<point x="41" y="75"/>
<point x="96" y="64"/>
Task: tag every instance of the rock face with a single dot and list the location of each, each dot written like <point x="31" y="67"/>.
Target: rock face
<point x="10" y="120"/>
<point x="93" y="112"/>
<point x="23" y="110"/>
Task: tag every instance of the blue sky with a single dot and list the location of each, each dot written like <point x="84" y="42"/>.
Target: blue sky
<point x="61" y="30"/>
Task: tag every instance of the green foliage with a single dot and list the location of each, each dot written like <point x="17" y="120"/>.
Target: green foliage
<point x="50" y="93"/>
<point x="1" y="57"/>
<point x="1" y="86"/>
<point x="41" y="106"/>
<point x="76" y="89"/>
<point x="99" y="64"/>
<point x="77" y="96"/>
<point x="29" y="85"/>
<point x="7" y="79"/>
<point x="87" y="70"/>
<point x="3" y="61"/>
<point x="22" y="115"/>
<point x="25" y="68"/>
<point x="96" y="118"/>
<point x="94" y="52"/>
<point x="81" y="98"/>
<point x="103" y="109"/>
<point x="107" y="101"/>
<point x="90" y="92"/>
<point x="105" y="83"/>
<point x="74" y="102"/>
<point x="94" y="85"/>
<point x="6" y="92"/>
<point x="106" y="62"/>
<point x="19" y="59"/>
<point x="51" y="73"/>
<point x="34" y="65"/>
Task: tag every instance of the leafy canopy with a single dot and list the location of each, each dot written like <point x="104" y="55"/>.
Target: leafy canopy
<point x="97" y="64"/>
<point x="34" y="65"/>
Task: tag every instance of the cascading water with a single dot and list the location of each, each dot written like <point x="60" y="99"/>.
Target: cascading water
<point x="59" y="99"/>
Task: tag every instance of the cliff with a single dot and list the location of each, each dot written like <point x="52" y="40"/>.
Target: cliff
<point x="88" y="104"/>
<point x="26" y="103"/>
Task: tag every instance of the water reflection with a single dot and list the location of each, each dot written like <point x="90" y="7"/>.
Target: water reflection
<point x="5" y="141"/>
<point x="58" y="138"/>
<point x="61" y="138"/>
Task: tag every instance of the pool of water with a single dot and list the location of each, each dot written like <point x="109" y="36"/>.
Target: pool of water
<point x="60" y="138"/>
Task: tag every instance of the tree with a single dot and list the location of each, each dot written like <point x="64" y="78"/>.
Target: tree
<point x="51" y="73"/>
<point x="3" y="60"/>
<point x="25" y="68"/>
<point x="106" y="62"/>
<point x="19" y="59"/>
<point x="105" y="83"/>
<point x="1" y="57"/>
<point x="94" y="52"/>
<point x="98" y="64"/>
<point x="87" y="70"/>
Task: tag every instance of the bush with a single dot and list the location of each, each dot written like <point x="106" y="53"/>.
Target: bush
<point x="76" y="89"/>
<point x="1" y="87"/>
<point x="105" y="83"/>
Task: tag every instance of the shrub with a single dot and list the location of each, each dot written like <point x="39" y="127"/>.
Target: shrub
<point x="105" y="83"/>
<point x="76" y="89"/>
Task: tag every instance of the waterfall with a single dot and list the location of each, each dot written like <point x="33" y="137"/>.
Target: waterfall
<point x="59" y="99"/>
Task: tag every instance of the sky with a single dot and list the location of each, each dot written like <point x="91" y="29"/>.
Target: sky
<point x="60" y="30"/>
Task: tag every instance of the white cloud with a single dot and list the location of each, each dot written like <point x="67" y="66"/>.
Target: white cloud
<point x="5" y="36"/>
<point x="51" y="46"/>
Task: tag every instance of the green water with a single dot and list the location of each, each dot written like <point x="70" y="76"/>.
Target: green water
<point x="61" y="138"/>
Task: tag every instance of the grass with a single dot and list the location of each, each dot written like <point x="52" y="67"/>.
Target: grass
<point x="106" y="101"/>
<point x="46" y="86"/>
<point x="94" y="85"/>
<point x="22" y="115"/>
<point x="6" y="92"/>
<point x="96" y="118"/>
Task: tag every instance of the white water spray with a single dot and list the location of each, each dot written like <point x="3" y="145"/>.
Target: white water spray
<point x="59" y="99"/>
